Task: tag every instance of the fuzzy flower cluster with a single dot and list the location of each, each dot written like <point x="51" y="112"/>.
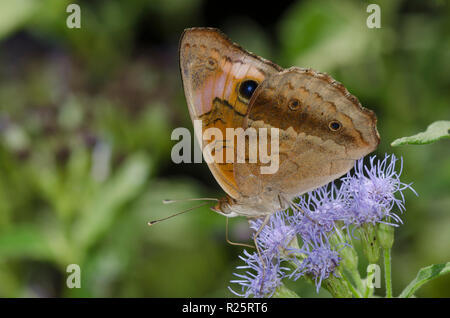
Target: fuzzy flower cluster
<point x="299" y="236"/>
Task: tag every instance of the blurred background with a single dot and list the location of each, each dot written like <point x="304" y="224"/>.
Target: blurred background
<point x="85" y="122"/>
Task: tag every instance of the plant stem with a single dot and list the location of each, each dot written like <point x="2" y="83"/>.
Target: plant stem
<point x="387" y="272"/>
<point x="351" y="287"/>
<point x="368" y="290"/>
<point x="357" y="279"/>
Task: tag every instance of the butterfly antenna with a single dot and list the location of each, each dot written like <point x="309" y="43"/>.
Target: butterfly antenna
<point x="167" y="201"/>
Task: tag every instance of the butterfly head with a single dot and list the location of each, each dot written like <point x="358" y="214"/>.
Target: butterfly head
<point x="224" y="206"/>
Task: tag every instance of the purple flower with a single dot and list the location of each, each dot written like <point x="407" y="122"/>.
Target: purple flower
<point x="259" y="280"/>
<point x="318" y="212"/>
<point x="370" y="192"/>
<point x="367" y="196"/>
<point x="320" y="261"/>
<point x="276" y="235"/>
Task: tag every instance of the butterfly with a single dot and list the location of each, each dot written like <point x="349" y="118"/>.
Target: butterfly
<point x="322" y="128"/>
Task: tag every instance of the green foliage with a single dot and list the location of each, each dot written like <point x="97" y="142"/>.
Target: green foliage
<point x="284" y="292"/>
<point x="15" y="14"/>
<point x="85" y="123"/>
<point x="425" y="274"/>
<point x="327" y="34"/>
<point x="435" y="131"/>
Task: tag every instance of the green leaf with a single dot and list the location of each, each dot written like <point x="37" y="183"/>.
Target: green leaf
<point x="24" y="241"/>
<point x="284" y="292"/>
<point x="425" y="274"/>
<point x="14" y="14"/>
<point x="310" y="30"/>
<point x="102" y="210"/>
<point x="437" y="130"/>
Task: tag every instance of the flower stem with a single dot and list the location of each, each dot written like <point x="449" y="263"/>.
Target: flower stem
<point x="357" y="279"/>
<point x="368" y="290"/>
<point x="387" y="272"/>
<point x="351" y="287"/>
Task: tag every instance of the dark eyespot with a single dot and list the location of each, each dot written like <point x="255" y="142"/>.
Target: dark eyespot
<point x="294" y="104"/>
<point x="211" y="63"/>
<point x="247" y="88"/>
<point x="334" y="125"/>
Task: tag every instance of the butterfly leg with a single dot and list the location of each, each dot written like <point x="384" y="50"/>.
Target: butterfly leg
<point x="281" y="201"/>
<point x="234" y="243"/>
<point x="300" y="210"/>
<point x="255" y="237"/>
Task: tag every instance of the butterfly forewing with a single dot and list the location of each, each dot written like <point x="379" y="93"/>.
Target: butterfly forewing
<point x="212" y="69"/>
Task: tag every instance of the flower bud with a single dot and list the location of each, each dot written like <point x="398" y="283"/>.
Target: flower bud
<point x="337" y="287"/>
<point x="370" y="244"/>
<point x="385" y="234"/>
<point x="349" y="257"/>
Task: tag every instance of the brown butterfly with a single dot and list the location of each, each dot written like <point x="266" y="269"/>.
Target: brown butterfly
<point x="322" y="128"/>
